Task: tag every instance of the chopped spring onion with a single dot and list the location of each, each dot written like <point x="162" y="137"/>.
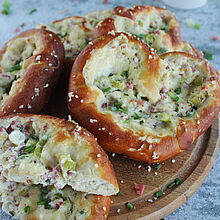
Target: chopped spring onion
<point x="125" y="73"/>
<point x="107" y="89"/>
<point x="129" y="206"/>
<point x="43" y="202"/>
<point x="113" y="108"/>
<point x="208" y="55"/>
<point x="15" y="67"/>
<point x="29" y="149"/>
<point x="158" y="194"/>
<point x="6" y="8"/>
<point x="136" y="116"/>
<point x="177" y="181"/>
<point x="197" y="26"/>
<point x="171" y="185"/>
<point x="173" y="97"/>
<point x="130" y="119"/>
<point x="165" y="28"/>
<point x="27" y="209"/>
<point x="34" y="137"/>
<point x="177" y="91"/>
<point x="119" y="193"/>
<point x="141" y="122"/>
<point x="140" y="23"/>
<point x="32" y="11"/>
<point x="62" y="35"/>
<point x="122" y="110"/>
<point x="158" y="166"/>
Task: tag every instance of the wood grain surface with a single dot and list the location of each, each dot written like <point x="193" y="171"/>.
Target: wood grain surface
<point x="192" y="167"/>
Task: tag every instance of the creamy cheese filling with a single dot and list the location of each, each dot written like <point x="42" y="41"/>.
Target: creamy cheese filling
<point x="49" y="203"/>
<point x="12" y="63"/>
<point x="38" y="153"/>
<point x="150" y="29"/>
<point x="186" y="84"/>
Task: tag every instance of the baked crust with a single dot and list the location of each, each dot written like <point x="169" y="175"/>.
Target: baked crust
<point x="114" y="134"/>
<point x="41" y="57"/>
<point x="156" y="26"/>
<point x="93" y="171"/>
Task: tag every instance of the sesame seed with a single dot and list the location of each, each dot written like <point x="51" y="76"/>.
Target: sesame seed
<point x="155" y="156"/>
<point x="96" y="165"/>
<point x="14" y="110"/>
<point x="116" y="139"/>
<point x="150" y="146"/>
<point x="50" y="64"/>
<point x="81" y="100"/>
<point x="155" y="173"/>
<point x="118" y="210"/>
<point x="92" y="120"/>
<point x="96" y="139"/>
<point x="104" y="208"/>
<point x="90" y="43"/>
<point x="103" y="129"/>
<point x="98" y="155"/>
<point x="110" y="133"/>
<point x="150" y="200"/>
<point x="186" y="129"/>
<point x="76" y="96"/>
<point x="122" y="181"/>
<point x="173" y="161"/>
<point x="200" y="130"/>
<point x="183" y="122"/>
<point x="149" y="57"/>
<point x="198" y="122"/>
<point x="46" y="85"/>
<point x="50" y="35"/>
<point x="149" y="168"/>
<point x="21" y="106"/>
<point x="139" y="166"/>
<point x="113" y="154"/>
<point x="46" y="69"/>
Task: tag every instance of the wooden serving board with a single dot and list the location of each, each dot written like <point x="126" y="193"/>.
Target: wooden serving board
<point x="192" y="167"/>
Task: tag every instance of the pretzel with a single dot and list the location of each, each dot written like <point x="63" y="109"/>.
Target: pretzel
<point x="30" y="66"/>
<point x="138" y="104"/>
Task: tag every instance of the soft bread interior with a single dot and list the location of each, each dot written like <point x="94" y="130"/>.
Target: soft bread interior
<point x="114" y="72"/>
<point x="40" y="151"/>
<point x="45" y="203"/>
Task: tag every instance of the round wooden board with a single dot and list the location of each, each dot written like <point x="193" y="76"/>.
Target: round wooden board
<point x="192" y="167"/>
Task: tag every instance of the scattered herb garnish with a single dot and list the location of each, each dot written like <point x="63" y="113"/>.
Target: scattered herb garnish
<point x="158" y="166"/>
<point x="29" y="149"/>
<point x="113" y="108"/>
<point x="82" y="212"/>
<point x="177" y="181"/>
<point x="173" y="97"/>
<point x="130" y="119"/>
<point x="136" y="116"/>
<point x="171" y="185"/>
<point x="208" y="55"/>
<point x="15" y="67"/>
<point x="165" y="28"/>
<point x="129" y="206"/>
<point x="141" y="122"/>
<point x="119" y="193"/>
<point x="122" y="110"/>
<point x="140" y="23"/>
<point x="43" y="202"/>
<point x="197" y="26"/>
<point x="126" y="94"/>
<point x="161" y="51"/>
<point x="27" y="209"/>
<point x="107" y="89"/>
<point x="32" y="11"/>
<point x="158" y="194"/>
<point x="34" y="137"/>
<point x="11" y="213"/>
<point x="6" y="8"/>
<point x="62" y="35"/>
<point x="177" y="91"/>
<point x="125" y="73"/>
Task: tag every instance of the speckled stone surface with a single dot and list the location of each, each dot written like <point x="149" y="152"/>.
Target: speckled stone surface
<point x="205" y="203"/>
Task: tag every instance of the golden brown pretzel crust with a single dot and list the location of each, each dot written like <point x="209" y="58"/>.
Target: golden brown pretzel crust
<point x="173" y="35"/>
<point x="40" y="73"/>
<point x="120" y="139"/>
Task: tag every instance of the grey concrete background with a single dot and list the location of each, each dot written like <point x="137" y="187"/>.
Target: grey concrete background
<point x="205" y="203"/>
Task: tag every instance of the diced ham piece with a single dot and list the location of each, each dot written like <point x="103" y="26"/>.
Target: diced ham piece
<point x="139" y="188"/>
<point x="129" y="85"/>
